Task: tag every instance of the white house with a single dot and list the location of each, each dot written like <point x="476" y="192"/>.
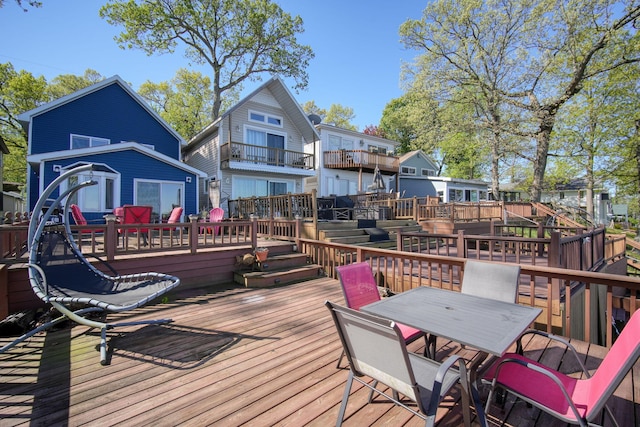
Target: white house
<point x="346" y="162"/>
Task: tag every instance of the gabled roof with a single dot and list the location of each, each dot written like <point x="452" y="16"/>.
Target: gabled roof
<point x="124" y="146"/>
<point x="26" y="117"/>
<point x="414" y="153"/>
<point x="285" y="99"/>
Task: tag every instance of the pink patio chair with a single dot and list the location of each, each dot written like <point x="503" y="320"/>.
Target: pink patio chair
<point x="577" y="401"/>
<point x="215" y="215"/>
<point x="174" y="217"/>
<point x="359" y="288"/>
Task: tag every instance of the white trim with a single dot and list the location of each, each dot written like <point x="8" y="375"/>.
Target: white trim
<point x="69" y="154"/>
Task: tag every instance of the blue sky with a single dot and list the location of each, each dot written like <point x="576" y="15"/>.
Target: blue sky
<point x="357" y="48"/>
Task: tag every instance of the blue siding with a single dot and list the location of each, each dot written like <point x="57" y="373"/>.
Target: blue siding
<point x="131" y="165"/>
<point x="106" y="113"/>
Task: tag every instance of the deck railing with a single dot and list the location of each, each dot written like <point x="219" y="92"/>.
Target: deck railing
<point x="258" y="154"/>
<point x="560" y="292"/>
<point x="360" y="159"/>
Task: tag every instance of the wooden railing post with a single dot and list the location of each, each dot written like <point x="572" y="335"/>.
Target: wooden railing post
<point x="460" y="244"/>
<point x="314" y="212"/>
<point x="110" y="237"/>
<point x="416" y="209"/>
<point x="193" y="233"/>
<point x="254" y="231"/>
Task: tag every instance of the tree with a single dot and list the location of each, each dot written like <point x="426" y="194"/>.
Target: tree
<point x="21" y="3"/>
<point x="337" y="115"/>
<point x="341" y="117"/>
<point x="374" y="130"/>
<point x="185" y="101"/>
<point x="19" y="92"/>
<point x="64" y="84"/>
<point x="237" y="39"/>
<point x="523" y="57"/>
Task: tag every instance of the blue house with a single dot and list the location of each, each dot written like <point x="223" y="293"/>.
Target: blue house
<point x="110" y="125"/>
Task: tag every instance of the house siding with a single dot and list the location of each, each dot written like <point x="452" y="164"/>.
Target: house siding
<point x="132" y="166"/>
<point x="109" y="113"/>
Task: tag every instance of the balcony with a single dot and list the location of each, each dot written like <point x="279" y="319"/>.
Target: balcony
<point x="356" y="160"/>
<point x="270" y="156"/>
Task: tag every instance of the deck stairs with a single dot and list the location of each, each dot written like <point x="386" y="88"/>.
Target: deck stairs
<point x="347" y="232"/>
<point x="282" y="266"/>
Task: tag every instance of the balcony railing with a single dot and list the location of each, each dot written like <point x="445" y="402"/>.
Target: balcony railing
<point x="357" y="159"/>
<point x="258" y="154"/>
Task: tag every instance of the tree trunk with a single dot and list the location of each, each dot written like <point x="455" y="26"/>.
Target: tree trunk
<point x="543" y="136"/>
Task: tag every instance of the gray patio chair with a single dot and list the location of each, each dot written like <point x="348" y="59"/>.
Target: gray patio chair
<point x="376" y="349"/>
<point x="487" y="280"/>
<point x="61" y="275"/>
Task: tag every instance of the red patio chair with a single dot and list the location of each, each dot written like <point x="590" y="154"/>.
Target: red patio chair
<point x="79" y="219"/>
<point x="578" y="401"/>
<point x="359" y="288"/>
<point x="133" y="214"/>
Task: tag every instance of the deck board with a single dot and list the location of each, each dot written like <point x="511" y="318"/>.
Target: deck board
<point x="232" y="356"/>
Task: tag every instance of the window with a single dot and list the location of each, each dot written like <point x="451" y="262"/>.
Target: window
<point x="427" y="172"/>
<point x="407" y="170"/>
<point x="377" y="149"/>
<point x="163" y="196"/>
<point x="81" y="141"/>
<point x="268" y="119"/>
<point x="244" y="186"/>
<point x="96" y="198"/>
<point x="339" y="143"/>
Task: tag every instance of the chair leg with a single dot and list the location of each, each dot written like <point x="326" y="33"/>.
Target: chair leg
<point x="340" y="360"/>
<point x="345" y="398"/>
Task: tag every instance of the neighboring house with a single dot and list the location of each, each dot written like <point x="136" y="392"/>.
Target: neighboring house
<point x="418" y="178"/>
<point x="110" y="125"/>
<point x="573" y="194"/>
<point x="346" y="161"/>
<point x="256" y="148"/>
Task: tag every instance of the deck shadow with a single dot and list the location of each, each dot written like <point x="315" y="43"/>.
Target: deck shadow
<point x="175" y="346"/>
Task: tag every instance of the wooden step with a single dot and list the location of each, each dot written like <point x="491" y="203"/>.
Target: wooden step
<point x="279" y="262"/>
<point x="349" y="240"/>
<point x="325" y="234"/>
<point x="264" y="279"/>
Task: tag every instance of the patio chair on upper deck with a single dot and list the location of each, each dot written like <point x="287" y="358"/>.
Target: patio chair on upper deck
<point x="376" y="349"/>
<point x="61" y="275"/>
<point x="578" y="401"/>
<point x="359" y="288"/>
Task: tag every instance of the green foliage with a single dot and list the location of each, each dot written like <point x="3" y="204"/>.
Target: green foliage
<point x="337" y="115"/>
<point x="19" y="92"/>
<point x="517" y="63"/>
<point x="65" y="84"/>
<point x="340" y="116"/>
<point x="237" y="39"/>
<point x="22" y="3"/>
<point x="185" y="101"/>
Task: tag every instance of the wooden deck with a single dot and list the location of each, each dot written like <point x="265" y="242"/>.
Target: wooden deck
<point x="232" y="356"/>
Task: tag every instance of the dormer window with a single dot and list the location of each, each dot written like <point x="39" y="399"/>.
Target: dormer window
<point x="82" y="141"/>
<point x="264" y="118"/>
